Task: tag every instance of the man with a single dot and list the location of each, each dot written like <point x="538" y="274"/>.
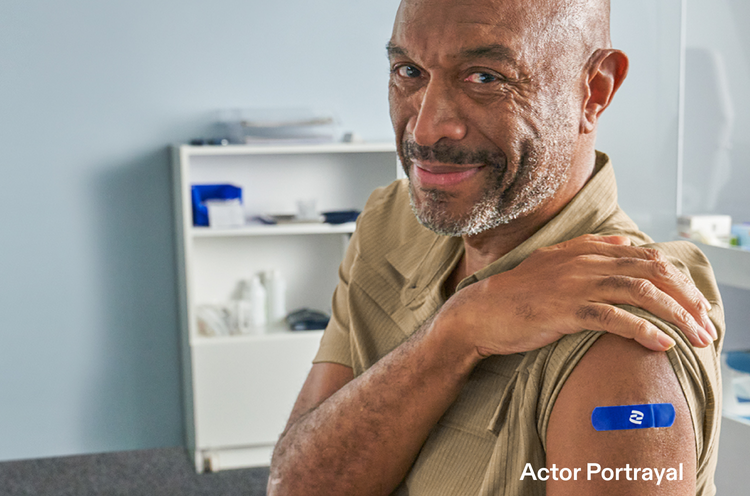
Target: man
<point x="463" y="355"/>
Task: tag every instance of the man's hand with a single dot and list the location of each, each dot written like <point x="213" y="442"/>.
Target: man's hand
<point x="573" y="286"/>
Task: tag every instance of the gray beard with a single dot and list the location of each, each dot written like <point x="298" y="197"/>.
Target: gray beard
<point x="490" y="211"/>
<point x="485" y="214"/>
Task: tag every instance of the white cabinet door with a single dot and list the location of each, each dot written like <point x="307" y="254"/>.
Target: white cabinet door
<point x="245" y="389"/>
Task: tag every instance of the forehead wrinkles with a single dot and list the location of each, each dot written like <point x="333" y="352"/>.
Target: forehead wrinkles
<point x="433" y="35"/>
<point x="446" y="27"/>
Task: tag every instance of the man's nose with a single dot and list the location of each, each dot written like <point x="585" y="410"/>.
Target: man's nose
<point x="439" y="116"/>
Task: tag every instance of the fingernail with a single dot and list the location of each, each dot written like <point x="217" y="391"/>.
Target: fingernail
<point x="707" y="305"/>
<point x="711" y="330"/>
<point x="665" y="341"/>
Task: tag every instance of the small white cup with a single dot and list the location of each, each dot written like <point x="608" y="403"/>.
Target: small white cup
<point x="307" y="210"/>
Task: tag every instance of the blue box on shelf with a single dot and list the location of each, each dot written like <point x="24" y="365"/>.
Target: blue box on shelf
<point x="202" y="192"/>
<point x="341" y="216"/>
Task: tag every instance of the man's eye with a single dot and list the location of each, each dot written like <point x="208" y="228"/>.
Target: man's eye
<point x="408" y="71"/>
<point x="481" y="78"/>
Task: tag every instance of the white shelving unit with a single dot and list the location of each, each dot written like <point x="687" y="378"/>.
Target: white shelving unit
<point x="731" y="265"/>
<point x="277" y="230"/>
<point x="239" y="390"/>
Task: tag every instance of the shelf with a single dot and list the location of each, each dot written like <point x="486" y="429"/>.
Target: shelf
<point x="275" y="335"/>
<point x="282" y="149"/>
<point x="731" y="265"/>
<point x="274" y="230"/>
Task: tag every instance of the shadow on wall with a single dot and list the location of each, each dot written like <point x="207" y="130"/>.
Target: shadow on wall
<point x="709" y="128"/>
<point x="715" y="170"/>
<point x="734" y="198"/>
<point x="735" y="315"/>
<point x="135" y="401"/>
<point x="741" y="12"/>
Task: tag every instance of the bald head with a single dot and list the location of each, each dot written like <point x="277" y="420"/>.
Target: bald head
<point x="571" y="27"/>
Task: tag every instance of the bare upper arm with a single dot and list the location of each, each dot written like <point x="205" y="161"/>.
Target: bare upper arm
<point x="617" y="371"/>
<point x="323" y="380"/>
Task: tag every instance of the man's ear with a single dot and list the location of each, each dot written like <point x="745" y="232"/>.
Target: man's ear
<point x="606" y="72"/>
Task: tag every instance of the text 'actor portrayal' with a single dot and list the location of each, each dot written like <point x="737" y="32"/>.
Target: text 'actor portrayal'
<point x="500" y="326"/>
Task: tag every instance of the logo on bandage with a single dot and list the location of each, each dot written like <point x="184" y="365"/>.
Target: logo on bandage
<point x="650" y="416"/>
<point x="636" y="417"/>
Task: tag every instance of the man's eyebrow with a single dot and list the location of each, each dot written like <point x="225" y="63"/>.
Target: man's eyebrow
<point x="394" y="50"/>
<point x="497" y="52"/>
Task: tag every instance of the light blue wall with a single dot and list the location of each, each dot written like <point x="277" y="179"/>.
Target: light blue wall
<point x="91" y="94"/>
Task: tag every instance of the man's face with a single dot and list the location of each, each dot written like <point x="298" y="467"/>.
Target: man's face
<point x="486" y="113"/>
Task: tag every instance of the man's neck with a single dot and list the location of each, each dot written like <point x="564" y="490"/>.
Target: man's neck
<point x="483" y="249"/>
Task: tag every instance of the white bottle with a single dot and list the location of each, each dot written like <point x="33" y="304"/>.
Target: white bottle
<point x="276" y="288"/>
<point x="244" y="309"/>
<point x="259" y="301"/>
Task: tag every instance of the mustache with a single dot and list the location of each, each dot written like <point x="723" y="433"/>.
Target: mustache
<point x="450" y="154"/>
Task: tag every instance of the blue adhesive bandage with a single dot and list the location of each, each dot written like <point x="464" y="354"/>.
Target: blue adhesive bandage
<point x="617" y="418"/>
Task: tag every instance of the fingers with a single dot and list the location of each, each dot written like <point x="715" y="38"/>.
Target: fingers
<point x="644" y="294"/>
<point x="668" y="279"/>
<point x="607" y="270"/>
<point x="593" y="238"/>
<point x="648" y="264"/>
<point x="613" y="240"/>
<point x="602" y="317"/>
<point x="659" y="269"/>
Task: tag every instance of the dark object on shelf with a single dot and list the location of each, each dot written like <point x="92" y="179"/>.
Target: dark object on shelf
<point x="307" y="320"/>
<point x="341" y="216"/>
<point x="203" y="192"/>
<point x="275" y="219"/>
<point x="211" y="141"/>
<point x="272" y="220"/>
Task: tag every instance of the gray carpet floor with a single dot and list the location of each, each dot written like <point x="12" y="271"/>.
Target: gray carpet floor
<point x="157" y="472"/>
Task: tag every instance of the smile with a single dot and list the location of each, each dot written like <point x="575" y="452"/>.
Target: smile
<point x="443" y="175"/>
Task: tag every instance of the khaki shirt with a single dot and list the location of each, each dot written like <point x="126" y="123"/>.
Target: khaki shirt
<point x="391" y="281"/>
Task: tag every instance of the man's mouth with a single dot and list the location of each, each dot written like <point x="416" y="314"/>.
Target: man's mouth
<point x="436" y="176"/>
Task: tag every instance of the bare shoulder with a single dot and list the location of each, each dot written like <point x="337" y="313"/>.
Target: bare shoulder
<point x="616" y="371"/>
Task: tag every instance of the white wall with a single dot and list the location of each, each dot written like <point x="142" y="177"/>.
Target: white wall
<point x="717" y="129"/>
<point x="639" y="129"/>
<point x="717" y="117"/>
